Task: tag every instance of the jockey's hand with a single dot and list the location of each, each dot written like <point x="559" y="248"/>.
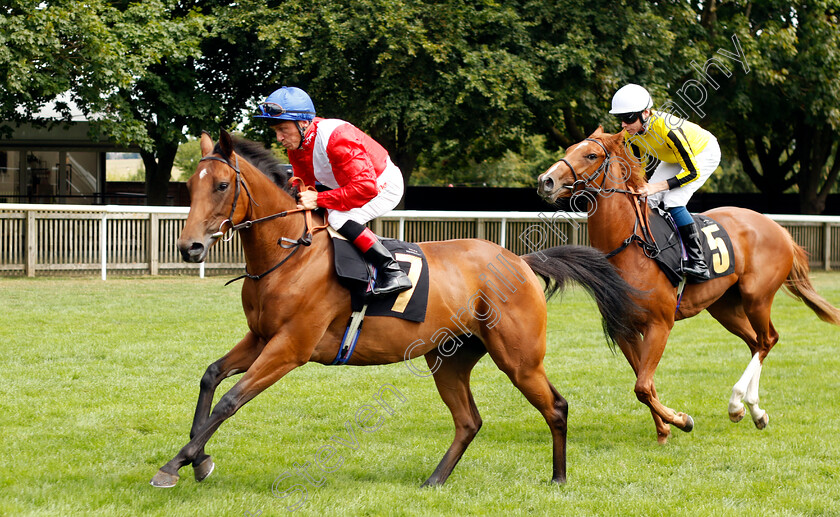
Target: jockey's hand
<point x="648" y="189"/>
<point x="308" y="199"/>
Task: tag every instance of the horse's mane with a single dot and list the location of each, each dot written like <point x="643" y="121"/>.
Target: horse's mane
<point x="264" y="160"/>
<point x="618" y="150"/>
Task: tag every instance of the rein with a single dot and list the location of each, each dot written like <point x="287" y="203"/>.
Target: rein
<point x="294" y="244"/>
<point x="646" y="241"/>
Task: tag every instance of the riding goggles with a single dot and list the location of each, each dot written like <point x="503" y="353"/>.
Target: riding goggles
<point x="271" y="109"/>
<point x="629" y="118"/>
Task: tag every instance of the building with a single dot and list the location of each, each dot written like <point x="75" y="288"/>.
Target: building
<point x="54" y="162"/>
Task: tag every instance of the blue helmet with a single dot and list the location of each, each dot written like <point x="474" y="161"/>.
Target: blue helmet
<point x="287" y="103"/>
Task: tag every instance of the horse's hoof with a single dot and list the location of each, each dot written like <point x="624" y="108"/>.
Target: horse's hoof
<point x="736" y="417"/>
<point x="689" y="424"/>
<point x="204" y="469"/>
<point x="432" y="482"/>
<point x="662" y="439"/>
<point x="762" y="422"/>
<point x="560" y="480"/>
<point x="164" y="479"/>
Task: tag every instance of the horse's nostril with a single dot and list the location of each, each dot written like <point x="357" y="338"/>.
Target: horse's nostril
<point x="548" y="185"/>
<point x="192" y="252"/>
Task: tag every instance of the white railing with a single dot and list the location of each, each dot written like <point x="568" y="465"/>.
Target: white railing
<point x="61" y="239"/>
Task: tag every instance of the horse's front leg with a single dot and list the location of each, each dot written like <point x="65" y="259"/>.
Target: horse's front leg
<point x="238" y="360"/>
<point x="276" y="360"/>
<point x="653" y="346"/>
<point x="663" y="430"/>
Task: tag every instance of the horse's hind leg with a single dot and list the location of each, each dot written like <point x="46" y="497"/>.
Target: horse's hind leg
<point x="729" y="311"/>
<point x="527" y="373"/>
<point x="238" y="360"/>
<point x="452" y="379"/>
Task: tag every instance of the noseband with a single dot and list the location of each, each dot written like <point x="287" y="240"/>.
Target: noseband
<point x="646" y="241"/>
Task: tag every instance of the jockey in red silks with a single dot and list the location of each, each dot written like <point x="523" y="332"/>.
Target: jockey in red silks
<point x="364" y="183"/>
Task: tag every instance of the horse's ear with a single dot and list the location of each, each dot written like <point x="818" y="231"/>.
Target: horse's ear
<point x="598" y="131"/>
<point x="617" y="139"/>
<point x="206" y="144"/>
<point x="226" y="143"/>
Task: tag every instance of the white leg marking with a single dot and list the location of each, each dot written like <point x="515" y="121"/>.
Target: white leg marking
<point x="740" y="388"/>
<point x="751" y="398"/>
<point x="234" y="372"/>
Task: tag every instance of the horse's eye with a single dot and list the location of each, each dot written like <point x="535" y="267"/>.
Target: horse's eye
<point x="591" y="156"/>
<point x="223" y="186"/>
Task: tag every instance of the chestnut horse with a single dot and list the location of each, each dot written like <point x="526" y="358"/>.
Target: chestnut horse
<point x="297" y="311"/>
<point x="765" y="259"/>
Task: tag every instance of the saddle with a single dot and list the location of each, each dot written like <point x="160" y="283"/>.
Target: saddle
<point x="661" y="242"/>
<point x="358" y="277"/>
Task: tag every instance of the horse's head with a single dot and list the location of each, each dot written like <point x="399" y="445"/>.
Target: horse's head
<point x="216" y="198"/>
<point x="598" y="160"/>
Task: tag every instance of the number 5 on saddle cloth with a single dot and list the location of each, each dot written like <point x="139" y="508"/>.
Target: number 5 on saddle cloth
<point x="669" y="254"/>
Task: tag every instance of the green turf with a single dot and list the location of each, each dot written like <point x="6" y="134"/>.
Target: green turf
<point x="100" y="381"/>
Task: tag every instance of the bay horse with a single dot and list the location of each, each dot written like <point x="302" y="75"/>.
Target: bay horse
<point x="766" y="258"/>
<point x="297" y="311"/>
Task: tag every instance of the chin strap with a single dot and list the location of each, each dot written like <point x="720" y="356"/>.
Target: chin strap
<point x="302" y="133"/>
<point x="645" y="122"/>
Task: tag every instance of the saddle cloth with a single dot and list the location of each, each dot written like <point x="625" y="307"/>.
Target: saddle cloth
<point x="357" y="276"/>
<point x="716" y="244"/>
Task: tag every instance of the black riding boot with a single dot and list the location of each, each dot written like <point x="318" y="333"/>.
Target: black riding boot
<point x="695" y="266"/>
<point x="390" y="278"/>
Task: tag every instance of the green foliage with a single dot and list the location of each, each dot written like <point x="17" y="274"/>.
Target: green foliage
<point x="515" y="168"/>
<point x="187" y="158"/>
<point x="139" y="174"/>
<point x="785" y="113"/>
<point x="463" y="87"/>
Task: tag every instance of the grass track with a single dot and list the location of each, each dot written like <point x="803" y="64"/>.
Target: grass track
<point x="100" y="381"/>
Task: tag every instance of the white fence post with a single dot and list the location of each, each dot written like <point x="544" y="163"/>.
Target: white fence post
<point x="31" y="243"/>
<point x="503" y="233"/>
<point x="103" y="245"/>
<point x="154" y="244"/>
<point x="827" y="245"/>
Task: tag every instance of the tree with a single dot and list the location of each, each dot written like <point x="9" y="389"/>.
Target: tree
<point x="587" y="50"/>
<point x="785" y="114"/>
<point x="409" y="73"/>
<point x="124" y="64"/>
<point x="51" y="49"/>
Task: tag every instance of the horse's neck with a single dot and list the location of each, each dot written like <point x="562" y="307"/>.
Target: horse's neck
<point x="614" y="218"/>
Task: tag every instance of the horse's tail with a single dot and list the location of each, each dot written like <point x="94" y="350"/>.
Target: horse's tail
<point x="799" y="285"/>
<point x="590" y="268"/>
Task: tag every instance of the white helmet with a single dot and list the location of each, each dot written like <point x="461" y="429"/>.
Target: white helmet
<point x="630" y="98"/>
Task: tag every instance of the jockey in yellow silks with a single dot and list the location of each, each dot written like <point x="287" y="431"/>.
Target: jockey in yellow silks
<point x="682" y="156"/>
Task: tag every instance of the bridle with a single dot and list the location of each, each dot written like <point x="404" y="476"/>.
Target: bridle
<point x="294" y="244"/>
<point x="239" y="184"/>
<point x="646" y="240"/>
<point x="600" y="171"/>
